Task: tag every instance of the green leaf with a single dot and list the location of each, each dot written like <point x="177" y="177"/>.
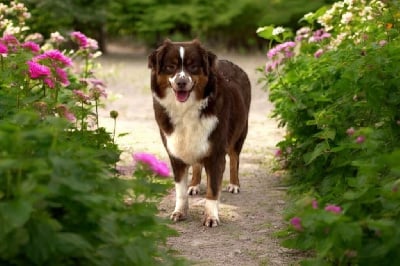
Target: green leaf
<point x="13" y="214"/>
<point x="319" y="150"/>
<point x="266" y="32"/>
<point x="326" y="134"/>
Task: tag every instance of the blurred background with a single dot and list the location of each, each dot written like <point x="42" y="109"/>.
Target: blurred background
<point x="145" y="23"/>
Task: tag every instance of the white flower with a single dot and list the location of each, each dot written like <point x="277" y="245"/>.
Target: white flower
<point x="346" y="18"/>
<point x="278" y="30"/>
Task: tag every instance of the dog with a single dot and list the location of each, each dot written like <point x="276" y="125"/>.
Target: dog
<point x="201" y="106"/>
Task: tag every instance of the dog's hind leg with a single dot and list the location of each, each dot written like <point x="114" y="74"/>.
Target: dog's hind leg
<point x="234" y="153"/>
<point x="194" y="186"/>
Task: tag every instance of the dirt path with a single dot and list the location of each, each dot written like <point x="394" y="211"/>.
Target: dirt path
<point x="249" y="219"/>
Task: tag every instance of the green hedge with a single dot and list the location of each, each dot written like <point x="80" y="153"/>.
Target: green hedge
<point x="336" y="90"/>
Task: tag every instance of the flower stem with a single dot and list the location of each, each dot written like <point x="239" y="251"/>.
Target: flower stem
<point x="82" y="116"/>
<point x="97" y="113"/>
<point x="115" y="125"/>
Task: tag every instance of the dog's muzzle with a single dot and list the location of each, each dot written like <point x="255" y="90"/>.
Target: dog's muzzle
<point x="182" y="85"/>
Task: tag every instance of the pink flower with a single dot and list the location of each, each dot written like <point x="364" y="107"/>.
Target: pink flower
<point x="360" y="139"/>
<point x="56" y="38"/>
<point x="97" y="92"/>
<point x="350" y="131"/>
<point x="11" y="41"/>
<point x="318" y="53"/>
<point x="3" y="49"/>
<point x="278" y="153"/>
<point x="49" y="82"/>
<point x="37" y="70"/>
<point x="31" y="46"/>
<point x="333" y="208"/>
<point x="319" y="35"/>
<point x="81" y="95"/>
<point x="56" y="57"/>
<point x="62" y="76"/>
<point x="382" y="42"/>
<point x="296" y="223"/>
<point x="314" y="204"/>
<point x="80" y="39"/>
<point x="65" y="112"/>
<point x="158" y="167"/>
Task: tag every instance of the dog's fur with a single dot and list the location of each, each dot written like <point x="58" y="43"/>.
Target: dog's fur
<point x="201" y="106"/>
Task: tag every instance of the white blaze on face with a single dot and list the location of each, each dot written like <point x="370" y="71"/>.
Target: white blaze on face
<point x="182" y="55"/>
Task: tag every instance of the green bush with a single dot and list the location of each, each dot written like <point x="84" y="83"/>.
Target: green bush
<point x="62" y="202"/>
<point x="336" y="90"/>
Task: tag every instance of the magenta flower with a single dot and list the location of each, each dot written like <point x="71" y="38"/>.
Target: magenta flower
<point x="49" y="82"/>
<point x="56" y="57"/>
<point x="278" y="153"/>
<point x="333" y="208"/>
<point x="360" y="139"/>
<point x="3" y="49"/>
<point x="80" y="39"/>
<point x="62" y="76"/>
<point x="34" y="47"/>
<point x="296" y="223"/>
<point x="37" y="70"/>
<point x="157" y="167"/>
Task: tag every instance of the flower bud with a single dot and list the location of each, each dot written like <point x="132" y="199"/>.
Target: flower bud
<point x="114" y="114"/>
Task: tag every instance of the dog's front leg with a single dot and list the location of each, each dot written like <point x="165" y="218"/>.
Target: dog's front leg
<point x="180" y="170"/>
<point x="215" y="169"/>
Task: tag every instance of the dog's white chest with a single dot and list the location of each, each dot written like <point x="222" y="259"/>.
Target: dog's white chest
<point x="189" y="139"/>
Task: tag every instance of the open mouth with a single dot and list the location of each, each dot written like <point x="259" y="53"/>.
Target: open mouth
<point x="182" y="95"/>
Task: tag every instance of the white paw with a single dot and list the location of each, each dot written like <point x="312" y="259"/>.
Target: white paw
<point x="211" y="218"/>
<point x="194" y="190"/>
<point x="177" y="216"/>
<point x="234" y="189"/>
<point x="210" y="221"/>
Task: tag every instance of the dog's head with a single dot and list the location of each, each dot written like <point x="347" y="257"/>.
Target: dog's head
<point x="186" y="68"/>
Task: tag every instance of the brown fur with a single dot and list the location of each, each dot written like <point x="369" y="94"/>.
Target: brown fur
<point x="228" y="90"/>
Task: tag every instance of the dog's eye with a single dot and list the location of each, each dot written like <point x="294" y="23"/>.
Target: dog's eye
<point x="194" y="68"/>
<point x="170" y="68"/>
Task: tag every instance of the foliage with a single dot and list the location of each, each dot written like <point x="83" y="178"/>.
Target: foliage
<point x="151" y="21"/>
<point x="61" y="200"/>
<point x="336" y="90"/>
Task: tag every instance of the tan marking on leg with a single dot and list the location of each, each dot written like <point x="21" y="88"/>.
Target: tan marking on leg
<point x="194" y="187"/>
<point x="234" y="186"/>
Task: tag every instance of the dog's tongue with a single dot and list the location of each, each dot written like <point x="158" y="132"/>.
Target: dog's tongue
<point x="182" y="96"/>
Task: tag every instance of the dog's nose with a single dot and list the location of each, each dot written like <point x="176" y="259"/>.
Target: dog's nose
<point x="181" y="83"/>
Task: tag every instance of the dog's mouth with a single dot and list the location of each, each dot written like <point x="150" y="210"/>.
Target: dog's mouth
<point x="182" y="95"/>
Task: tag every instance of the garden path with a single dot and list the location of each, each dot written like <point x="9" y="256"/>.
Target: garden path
<point x="249" y="219"/>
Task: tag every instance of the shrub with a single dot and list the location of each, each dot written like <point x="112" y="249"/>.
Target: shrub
<point x="336" y="90"/>
<point x="62" y="202"/>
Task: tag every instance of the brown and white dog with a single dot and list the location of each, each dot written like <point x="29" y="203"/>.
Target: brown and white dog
<point x="201" y="106"/>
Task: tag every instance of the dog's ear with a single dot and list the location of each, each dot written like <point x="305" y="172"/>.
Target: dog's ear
<point x="209" y="62"/>
<point x="154" y="59"/>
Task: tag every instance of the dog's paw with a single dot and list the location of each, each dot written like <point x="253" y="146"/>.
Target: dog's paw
<point x="194" y="190"/>
<point x="234" y="189"/>
<point x="211" y="221"/>
<point x="177" y="216"/>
